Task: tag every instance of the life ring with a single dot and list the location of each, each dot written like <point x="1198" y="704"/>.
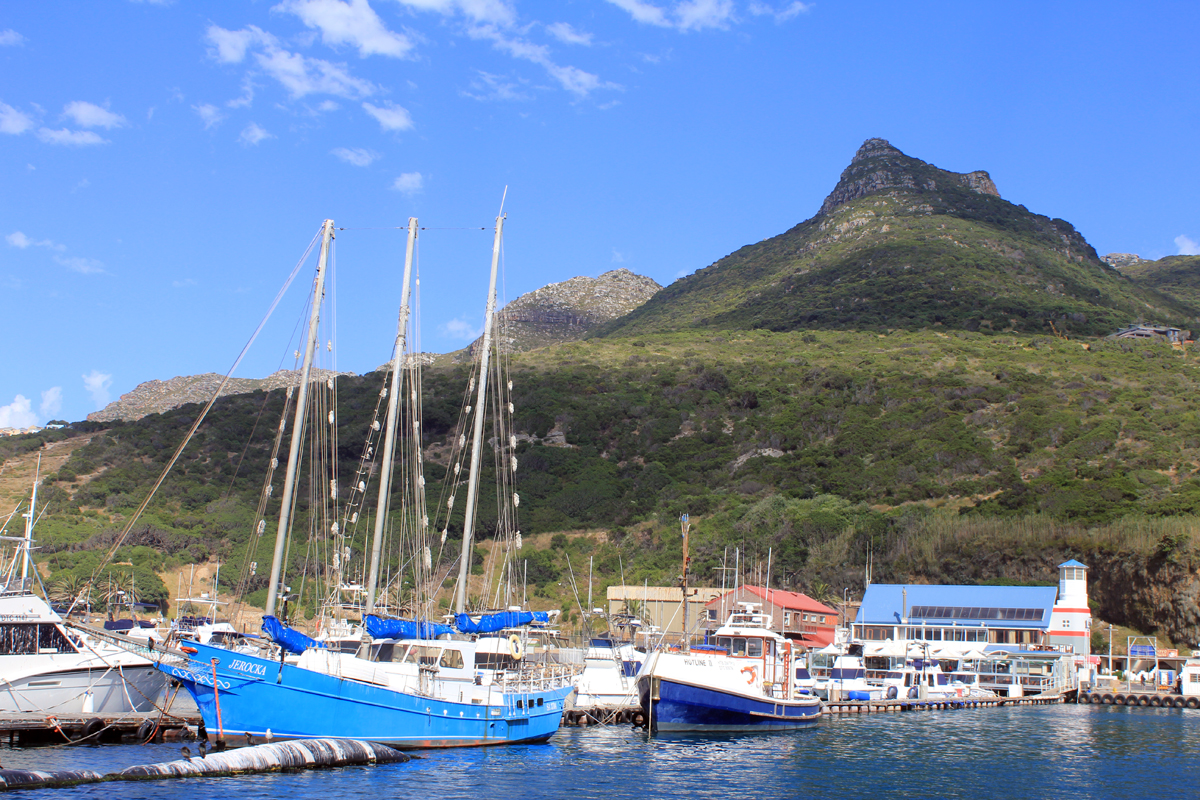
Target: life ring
<point x="514" y="647"/>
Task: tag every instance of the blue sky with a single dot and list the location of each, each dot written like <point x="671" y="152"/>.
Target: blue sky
<point x="165" y="164"/>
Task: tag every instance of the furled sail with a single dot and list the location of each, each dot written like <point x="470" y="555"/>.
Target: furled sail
<point x="490" y="623"/>
<point x="380" y="628"/>
<point x="291" y="640"/>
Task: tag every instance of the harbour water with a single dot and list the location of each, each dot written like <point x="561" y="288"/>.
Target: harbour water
<point x="1043" y="751"/>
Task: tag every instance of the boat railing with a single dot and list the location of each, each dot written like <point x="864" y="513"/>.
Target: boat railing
<point x="540" y="678"/>
<point x="139" y="646"/>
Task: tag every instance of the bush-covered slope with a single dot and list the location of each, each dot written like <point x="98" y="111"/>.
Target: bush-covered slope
<point x="900" y="243"/>
<point x="1177" y="276"/>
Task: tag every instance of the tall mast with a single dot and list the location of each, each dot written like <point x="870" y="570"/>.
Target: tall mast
<point x="464" y="566"/>
<point x="289" y="481"/>
<point x="29" y="521"/>
<point x="393" y="421"/>
<point x="683" y="581"/>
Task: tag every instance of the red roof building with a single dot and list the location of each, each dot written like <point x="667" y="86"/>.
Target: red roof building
<point x="797" y="616"/>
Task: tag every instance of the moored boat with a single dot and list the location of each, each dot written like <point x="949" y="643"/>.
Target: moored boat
<point x="741" y="682"/>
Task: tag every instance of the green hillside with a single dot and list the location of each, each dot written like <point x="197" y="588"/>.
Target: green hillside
<point x="1177" y="276"/>
<point x="900" y="243"/>
<point x="951" y="456"/>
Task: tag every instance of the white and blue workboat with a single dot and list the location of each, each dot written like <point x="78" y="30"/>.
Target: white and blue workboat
<point x="414" y="693"/>
<point x="406" y="683"/>
<point x="741" y="682"/>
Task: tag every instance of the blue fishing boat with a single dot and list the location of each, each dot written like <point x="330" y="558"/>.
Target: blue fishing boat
<point x="410" y="683"/>
<point x="741" y="682"/>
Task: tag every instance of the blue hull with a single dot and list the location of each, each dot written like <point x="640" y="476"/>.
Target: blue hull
<point x="675" y="706"/>
<point x="254" y="695"/>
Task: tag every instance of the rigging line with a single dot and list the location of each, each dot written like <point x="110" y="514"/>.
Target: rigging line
<point x="405" y="227"/>
<point x="120" y="540"/>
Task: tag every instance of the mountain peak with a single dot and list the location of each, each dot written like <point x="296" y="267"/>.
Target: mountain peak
<point x="878" y="167"/>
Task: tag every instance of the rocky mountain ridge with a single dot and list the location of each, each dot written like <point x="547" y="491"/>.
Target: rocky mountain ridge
<point x="556" y="313"/>
<point x="568" y="311"/>
<point x="157" y="397"/>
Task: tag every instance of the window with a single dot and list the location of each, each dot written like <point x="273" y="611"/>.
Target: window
<point x="451" y="659"/>
<point x="418" y="654"/>
<point x="787" y="619"/>
<point x="1066" y="623"/>
<point x="31" y="638"/>
<point x="712" y="615"/>
<point x="754" y="647"/>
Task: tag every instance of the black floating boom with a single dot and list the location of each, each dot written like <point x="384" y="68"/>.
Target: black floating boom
<point x="291" y="755"/>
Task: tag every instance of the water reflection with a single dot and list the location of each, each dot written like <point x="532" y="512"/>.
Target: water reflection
<point x="1053" y="751"/>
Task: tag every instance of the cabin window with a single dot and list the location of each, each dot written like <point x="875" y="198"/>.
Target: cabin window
<point x="726" y="642"/>
<point x="738" y="647"/>
<point x="419" y="654"/>
<point x="451" y="659"/>
<point x="383" y="653"/>
<point x="29" y="638"/>
<point x="754" y="647"/>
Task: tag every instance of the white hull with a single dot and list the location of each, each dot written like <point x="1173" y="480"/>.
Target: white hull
<point x="66" y="690"/>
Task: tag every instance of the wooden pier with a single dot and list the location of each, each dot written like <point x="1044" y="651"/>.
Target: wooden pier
<point x="839" y="707"/>
<point x="93" y="728"/>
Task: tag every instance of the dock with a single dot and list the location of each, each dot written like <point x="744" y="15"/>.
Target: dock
<point x="32" y="729"/>
<point x="839" y="707"/>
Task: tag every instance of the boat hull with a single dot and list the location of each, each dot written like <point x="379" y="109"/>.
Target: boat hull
<point x="63" y="689"/>
<point x="675" y="706"/>
<point x="254" y="696"/>
<point x="706" y="693"/>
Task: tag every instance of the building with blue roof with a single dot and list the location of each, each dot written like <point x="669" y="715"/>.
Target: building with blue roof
<point x="987" y="617"/>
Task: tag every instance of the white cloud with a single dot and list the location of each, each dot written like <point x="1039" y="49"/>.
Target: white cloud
<point x="90" y="115"/>
<point x="617" y="258"/>
<point x="357" y="156"/>
<point x="789" y="10"/>
<point x="496" y="87"/>
<point x="14" y="121"/>
<point x="327" y="106"/>
<point x="253" y="134"/>
<point x="390" y="117"/>
<point x="568" y="35"/>
<point x="209" y="114"/>
<point x="51" y="402"/>
<point x="1187" y="246"/>
<point x="495" y="12"/>
<point x="84" y="266"/>
<point x="409" y="183"/>
<point x="10" y="38"/>
<point x="572" y="79"/>
<point x="70" y="138"/>
<point x="229" y="47"/>
<point x="18" y="414"/>
<point x="97" y="383"/>
<point x="460" y="329"/>
<point x="301" y="75"/>
<point x="685" y="15"/>
<point x="353" y="23"/>
<point x="184" y="284"/>
<point x="247" y="97"/>
<point x="643" y="12"/>
<point x="18" y="239"/>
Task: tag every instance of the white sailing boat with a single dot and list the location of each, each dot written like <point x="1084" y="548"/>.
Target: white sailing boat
<point x="48" y="669"/>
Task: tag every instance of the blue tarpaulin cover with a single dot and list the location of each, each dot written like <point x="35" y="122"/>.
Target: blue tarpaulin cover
<point x="290" y="640"/>
<point x="490" y="623"/>
<point x="380" y="628"/>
